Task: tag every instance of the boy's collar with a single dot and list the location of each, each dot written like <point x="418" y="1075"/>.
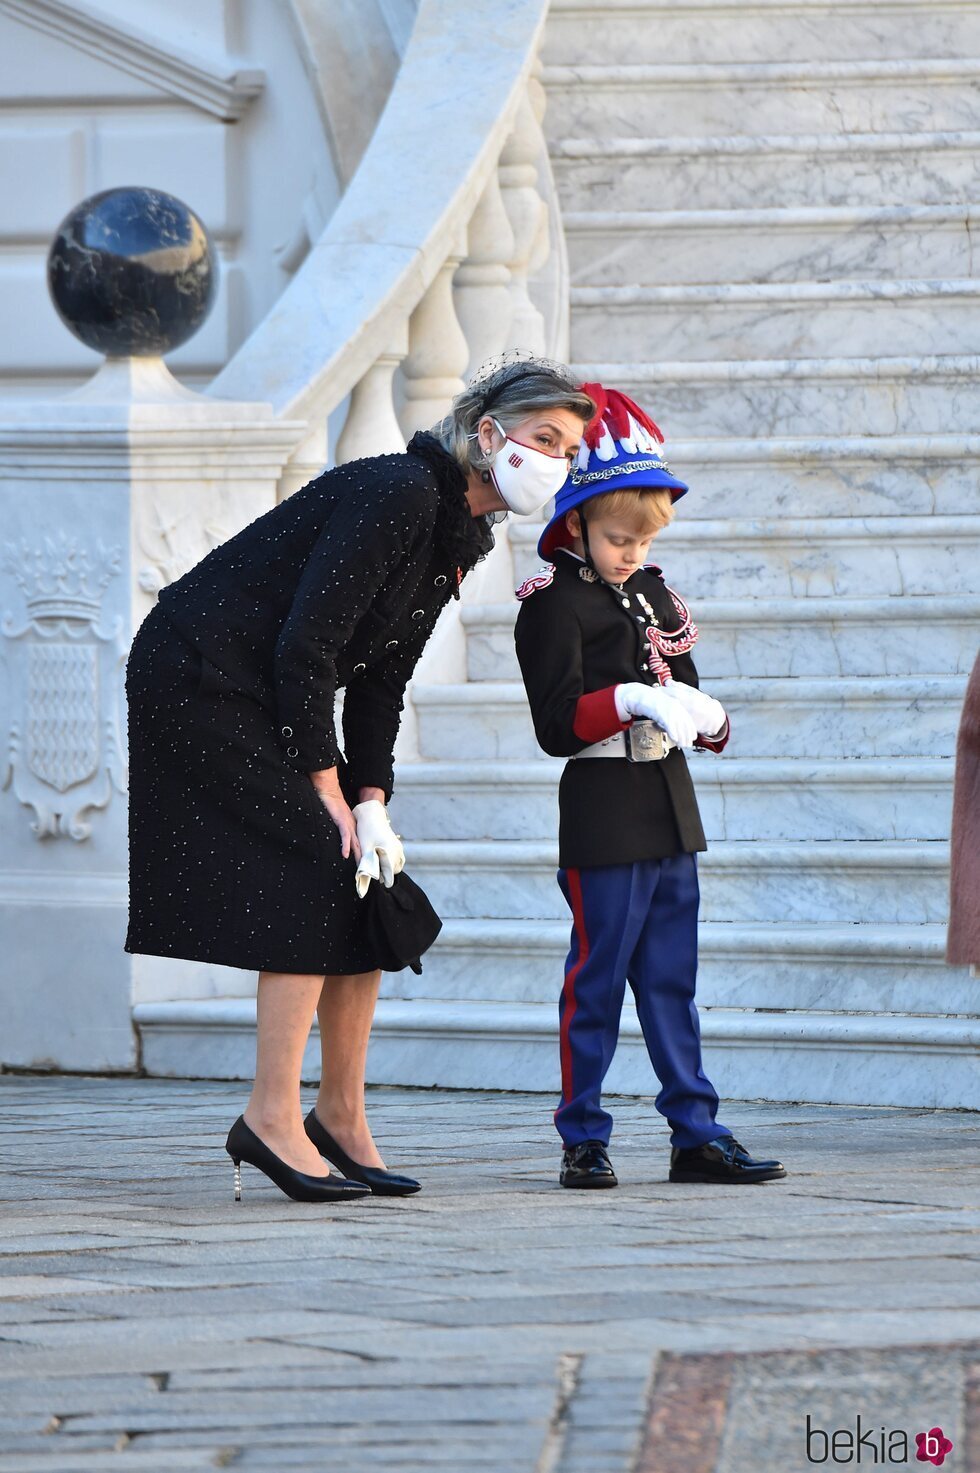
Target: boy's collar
<point x="580" y="559"/>
<point x="573" y="565"/>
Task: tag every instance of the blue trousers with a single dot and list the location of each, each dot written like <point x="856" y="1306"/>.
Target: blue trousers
<point x="635" y="923"/>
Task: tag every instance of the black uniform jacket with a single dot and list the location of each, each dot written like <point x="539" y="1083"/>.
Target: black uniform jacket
<point x="339" y="585"/>
<point x="575" y="643"/>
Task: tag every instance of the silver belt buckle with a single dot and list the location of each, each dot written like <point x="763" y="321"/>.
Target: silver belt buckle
<point x="646" y="741"/>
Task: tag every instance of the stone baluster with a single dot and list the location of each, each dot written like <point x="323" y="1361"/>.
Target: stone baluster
<point x="306" y="462"/>
<point x="482" y="284"/>
<point x="525" y="207"/>
<point x="437" y="350"/>
<point x="371" y="426"/>
<point x="541" y="244"/>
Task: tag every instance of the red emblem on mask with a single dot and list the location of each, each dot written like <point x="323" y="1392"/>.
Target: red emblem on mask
<point x="514" y="459"/>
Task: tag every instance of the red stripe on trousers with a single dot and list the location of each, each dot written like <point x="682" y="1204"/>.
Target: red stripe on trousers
<point x="568" y="991"/>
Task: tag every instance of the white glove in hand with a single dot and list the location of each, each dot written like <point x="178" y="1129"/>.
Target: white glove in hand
<point x="382" y="855"/>
<point x="708" y="713"/>
<point x="657" y="704"/>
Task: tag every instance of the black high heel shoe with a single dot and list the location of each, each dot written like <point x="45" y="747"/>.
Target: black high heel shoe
<point x="244" y="1145"/>
<point x="382" y="1183"/>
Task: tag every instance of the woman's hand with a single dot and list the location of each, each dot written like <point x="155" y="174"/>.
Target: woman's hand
<point x="327" y="786"/>
<point x="381" y="848"/>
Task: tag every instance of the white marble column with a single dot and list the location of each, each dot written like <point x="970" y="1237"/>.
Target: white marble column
<point x="481" y="287"/>
<point x="525" y="209"/>
<point x="372" y="427"/>
<point x="437" y="351"/>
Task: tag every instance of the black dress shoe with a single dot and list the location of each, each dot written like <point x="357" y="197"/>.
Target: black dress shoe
<point x="722" y="1159"/>
<point x="382" y="1183"/>
<point x="587" y="1165"/>
<point x="244" y="1145"/>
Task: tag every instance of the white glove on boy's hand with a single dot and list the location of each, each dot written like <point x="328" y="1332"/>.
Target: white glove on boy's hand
<point x="382" y="855"/>
<point x="708" y="713"/>
<point x="657" y="704"/>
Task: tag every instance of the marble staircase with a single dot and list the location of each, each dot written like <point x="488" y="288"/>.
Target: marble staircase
<point x="769" y="211"/>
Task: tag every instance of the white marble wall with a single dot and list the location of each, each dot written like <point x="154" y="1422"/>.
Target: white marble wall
<point x="103" y="498"/>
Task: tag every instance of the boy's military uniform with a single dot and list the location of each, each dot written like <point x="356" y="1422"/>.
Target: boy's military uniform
<point x="577" y="639"/>
<point x="629" y="829"/>
<point x="628" y="833"/>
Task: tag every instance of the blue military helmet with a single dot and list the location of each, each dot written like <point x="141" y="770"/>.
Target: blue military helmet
<point x="620" y="449"/>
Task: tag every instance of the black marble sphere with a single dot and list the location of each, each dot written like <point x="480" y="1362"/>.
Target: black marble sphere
<point x="132" y="272"/>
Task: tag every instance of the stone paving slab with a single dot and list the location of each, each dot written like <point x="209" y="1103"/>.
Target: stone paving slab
<point x="494" y="1323"/>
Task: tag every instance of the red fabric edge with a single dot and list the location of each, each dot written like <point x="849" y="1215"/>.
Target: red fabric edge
<point x="596" y="716"/>
<point x="570" y="1002"/>
<point x="719" y="743"/>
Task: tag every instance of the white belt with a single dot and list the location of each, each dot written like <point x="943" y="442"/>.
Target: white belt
<point x="614" y="746"/>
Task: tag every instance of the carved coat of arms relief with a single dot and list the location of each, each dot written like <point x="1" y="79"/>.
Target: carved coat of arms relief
<point x="64" y="750"/>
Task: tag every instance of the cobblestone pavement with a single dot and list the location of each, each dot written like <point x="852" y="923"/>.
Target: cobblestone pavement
<point x="494" y="1322"/>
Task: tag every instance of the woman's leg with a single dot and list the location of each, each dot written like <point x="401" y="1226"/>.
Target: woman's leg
<point x="345" y="1013"/>
<point x="285" y="1004"/>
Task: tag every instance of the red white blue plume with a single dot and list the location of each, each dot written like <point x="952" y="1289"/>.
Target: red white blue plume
<point x="617" y="418"/>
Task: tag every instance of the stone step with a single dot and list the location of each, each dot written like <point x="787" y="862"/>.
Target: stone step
<point x="899" y="968"/>
<point x="850" y="1057"/>
<point x="635" y="247"/>
<point x="780" y="637"/>
<point x="721" y="31"/>
<point x="878" y="883"/>
<point x="802" y="716"/>
<point x="901" y="401"/>
<point x="797" y="97"/>
<point x="776" y="320"/>
<point x="921" y="475"/>
<point x="871" y="476"/>
<point x="783" y="171"/>
<point x="849" y="557"/>
<point x="770" y="798"/>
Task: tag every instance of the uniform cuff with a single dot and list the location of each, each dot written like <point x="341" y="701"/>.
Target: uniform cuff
<point x="596" y="716"/>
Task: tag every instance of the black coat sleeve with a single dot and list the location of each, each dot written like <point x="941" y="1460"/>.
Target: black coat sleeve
<point x="365" y="537"/>
<point x="548" y="640"/>
<point x="373" y="703"/>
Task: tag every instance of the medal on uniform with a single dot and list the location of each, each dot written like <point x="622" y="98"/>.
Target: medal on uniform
<point x="648" y="610"/>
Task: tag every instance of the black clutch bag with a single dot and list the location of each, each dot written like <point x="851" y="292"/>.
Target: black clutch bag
<point x="401" y="923"/>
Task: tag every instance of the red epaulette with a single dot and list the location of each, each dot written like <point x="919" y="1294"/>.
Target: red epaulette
<point x="537" y="580"/>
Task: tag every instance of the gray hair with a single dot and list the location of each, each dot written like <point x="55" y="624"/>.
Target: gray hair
<point x="510" y="392"/>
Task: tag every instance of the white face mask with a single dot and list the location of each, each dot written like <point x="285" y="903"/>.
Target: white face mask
<point x="525" y="476"/>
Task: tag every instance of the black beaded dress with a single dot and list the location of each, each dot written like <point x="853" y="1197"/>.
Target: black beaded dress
<point x="231" y="683"/>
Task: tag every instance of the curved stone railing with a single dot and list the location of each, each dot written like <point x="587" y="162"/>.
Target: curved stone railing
<point x="425" y="264"/>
